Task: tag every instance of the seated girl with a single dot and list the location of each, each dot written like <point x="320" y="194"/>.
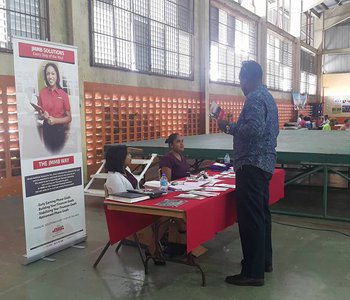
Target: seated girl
<point x="174" y="164"/>
<point x="119" y="178"/>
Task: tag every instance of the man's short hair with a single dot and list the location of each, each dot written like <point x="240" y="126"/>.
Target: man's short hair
<point x="251" y="70"/>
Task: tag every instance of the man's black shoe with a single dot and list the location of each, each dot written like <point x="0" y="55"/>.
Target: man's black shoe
<point x="268" y="268"/>
<point x="244" y="281"/>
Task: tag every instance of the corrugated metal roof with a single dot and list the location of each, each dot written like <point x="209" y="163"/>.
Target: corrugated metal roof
<point x="329" y="4"/>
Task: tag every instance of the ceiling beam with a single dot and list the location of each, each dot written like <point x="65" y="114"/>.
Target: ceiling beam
<point x="308" y="4"/>
<point x="324" y="6"/>
<point x="315" y="12"/>
<point x="337" y="51"/>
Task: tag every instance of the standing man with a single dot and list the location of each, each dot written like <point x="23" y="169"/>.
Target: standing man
<point x="255" y="140"/>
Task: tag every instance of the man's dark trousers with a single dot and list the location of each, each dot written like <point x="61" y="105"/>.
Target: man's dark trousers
<point x="254" y="219"/>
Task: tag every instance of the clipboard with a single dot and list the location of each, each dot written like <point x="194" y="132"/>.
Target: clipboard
<point x="37" y="107"/>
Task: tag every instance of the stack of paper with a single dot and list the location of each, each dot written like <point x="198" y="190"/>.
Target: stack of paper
<point x="152" y="184"/>
<point x="187" y="186"/>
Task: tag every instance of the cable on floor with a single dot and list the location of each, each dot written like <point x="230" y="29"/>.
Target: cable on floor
<point x="310" y="228"/>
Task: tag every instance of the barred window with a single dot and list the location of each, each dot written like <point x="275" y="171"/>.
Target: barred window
<point x="278" y="13"/>
<point x="279" y="62"/>
<point x="232" y="40"/>
<point x="308" y="78"/>
<point x="150" y="36"/>
<point x="26" y="18"/>
<point x="307" y="28"/>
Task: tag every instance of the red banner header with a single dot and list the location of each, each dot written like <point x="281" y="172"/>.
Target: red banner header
<point x="47" y="53"/>
<point x="53" y="162"/>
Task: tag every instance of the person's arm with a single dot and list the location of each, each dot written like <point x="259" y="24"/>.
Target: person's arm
<point x="65" y="120"/>
<point x="167" y="172"/>
<point x="43" y="115"/>
<point x="254" y="119"/>
<point x="114" y="184"/>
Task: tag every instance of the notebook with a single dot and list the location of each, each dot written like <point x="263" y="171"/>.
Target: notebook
<point x="127" y="197"/>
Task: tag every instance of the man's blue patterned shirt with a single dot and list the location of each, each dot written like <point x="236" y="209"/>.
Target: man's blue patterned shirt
<point x="255" y="133"/>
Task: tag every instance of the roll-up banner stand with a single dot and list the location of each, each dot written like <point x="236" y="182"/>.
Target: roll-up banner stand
<point x="48" y="110"/>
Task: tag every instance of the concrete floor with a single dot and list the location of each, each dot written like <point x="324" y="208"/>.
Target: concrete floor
<point x="307" y="264"/>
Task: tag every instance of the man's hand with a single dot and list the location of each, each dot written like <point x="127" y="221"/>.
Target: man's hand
<point x="51" y="120"/>
<point x="46" y="115"/>
<point x="223" y="125"/>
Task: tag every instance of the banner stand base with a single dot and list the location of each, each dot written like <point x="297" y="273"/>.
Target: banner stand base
<point x="48" y="259"/>
<point x="78" y="247"/>
<point x="27" y="260"/>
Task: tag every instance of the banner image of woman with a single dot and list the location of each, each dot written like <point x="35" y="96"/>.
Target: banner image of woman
<point x="54" y="109"/>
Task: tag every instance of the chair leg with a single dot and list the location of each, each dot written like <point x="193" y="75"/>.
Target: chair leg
<point x="101" y="254"/>
<point x="119" y="246"/>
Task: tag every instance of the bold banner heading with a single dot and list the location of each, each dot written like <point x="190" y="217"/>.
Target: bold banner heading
<point x="53" y="162"/>
<point x="47" y="53"/>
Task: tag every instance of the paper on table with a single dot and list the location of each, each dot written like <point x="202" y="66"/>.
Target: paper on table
<point x="215" y="189"/>
<point x="171" y="203"/>
<point x="213" y="181"/>
<point x="205" y="194"/>
<point x="189" y="196"/>
<point x="230" y="186"/>
<point x="187" y="186"/>
<point x="227" y="172"/>
<point x="229" y="176"/>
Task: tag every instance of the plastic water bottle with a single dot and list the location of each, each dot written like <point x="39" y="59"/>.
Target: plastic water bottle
<point x="164" y="183"/>
<point x="227" y="159"/>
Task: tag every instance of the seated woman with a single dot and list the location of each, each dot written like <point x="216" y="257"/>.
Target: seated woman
<point x="174" y="164"/>
<point x="346" y="125"/>
<point x="119" y="178"/>
<point x="308" y="122"/>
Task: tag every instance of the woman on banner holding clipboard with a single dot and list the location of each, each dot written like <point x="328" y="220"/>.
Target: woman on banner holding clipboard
<point x="54" y="108"/>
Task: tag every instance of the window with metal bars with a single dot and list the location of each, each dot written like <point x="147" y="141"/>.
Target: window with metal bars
<point x="149" y="36"/>
<point x="279" y="62"/>
<point x="26" y="18"/>
<point x="307" y="28"/>
<point x="232" y="40"/>
<point x="278" y="13"/>
<point x="308" y="78"/>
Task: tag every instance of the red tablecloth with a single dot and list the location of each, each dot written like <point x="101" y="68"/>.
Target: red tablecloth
<point x="204" y="218"/>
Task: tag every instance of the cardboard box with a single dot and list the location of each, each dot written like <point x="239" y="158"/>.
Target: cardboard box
<point x="181" y="238"/>
<point x="145" y="236"/>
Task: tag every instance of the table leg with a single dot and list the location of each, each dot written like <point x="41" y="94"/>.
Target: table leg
<point x="119" y="246"/>
<point x="325" y="190"/>
<point x="101" y="254"/>
<point x="191" y="261"/>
